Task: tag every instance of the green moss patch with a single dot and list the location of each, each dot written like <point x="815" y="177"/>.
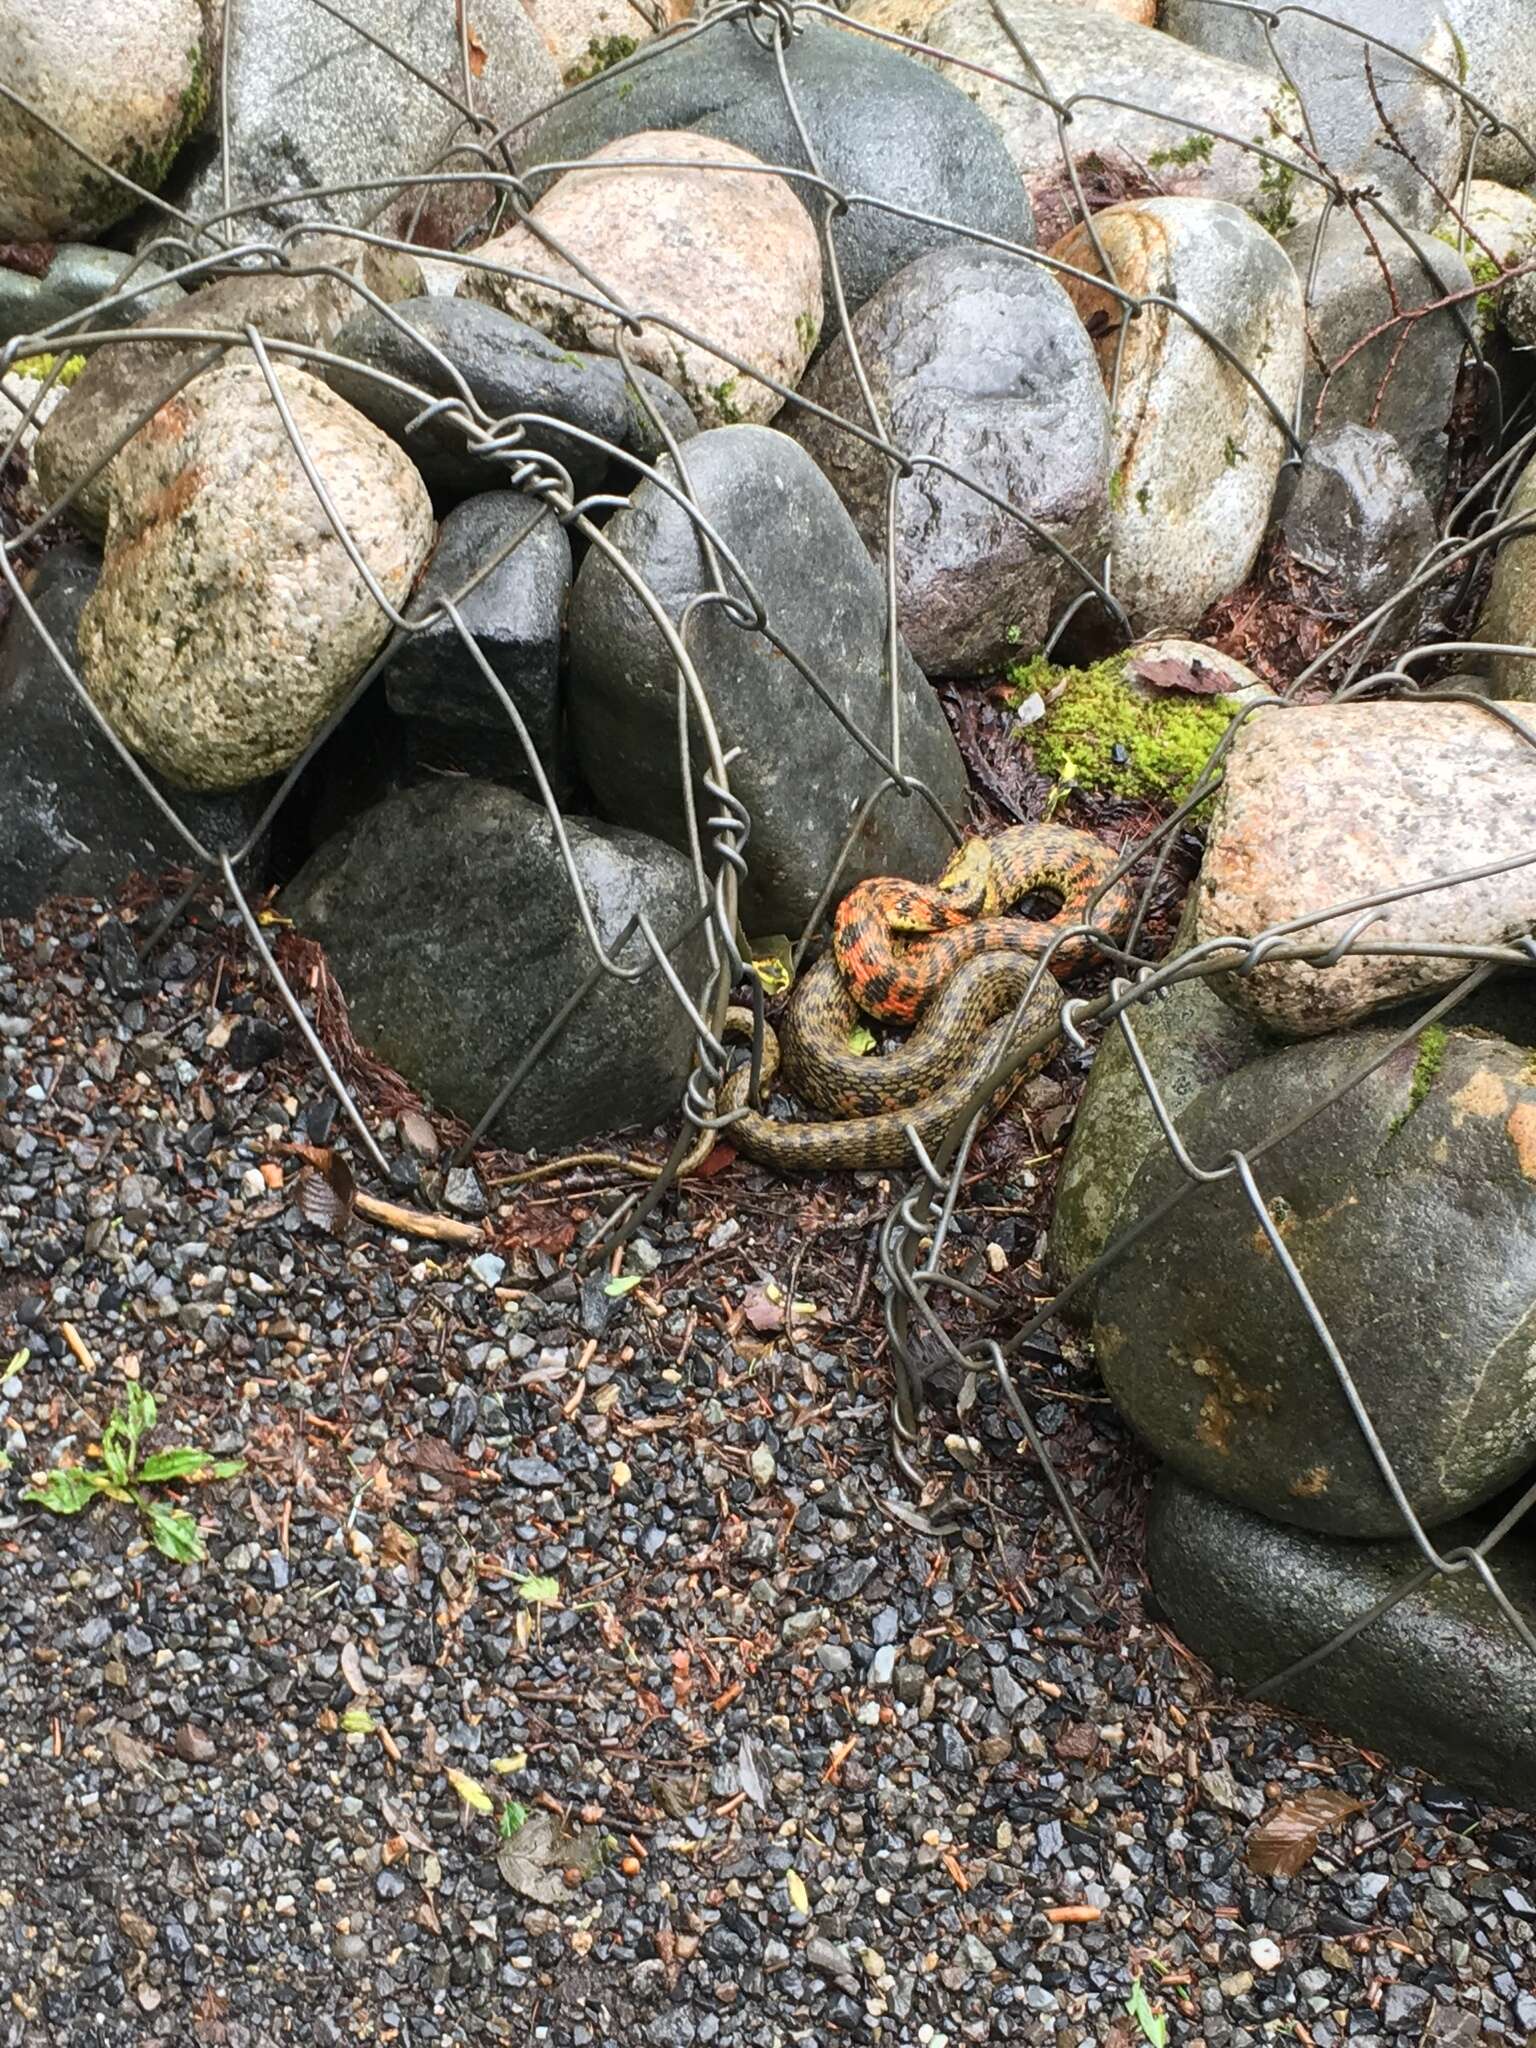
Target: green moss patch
<point x="1100" y="736"/>
<point x="42" y="366"/>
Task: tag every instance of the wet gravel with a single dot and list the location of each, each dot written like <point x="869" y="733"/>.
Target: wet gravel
<point x="787" y="1771"/>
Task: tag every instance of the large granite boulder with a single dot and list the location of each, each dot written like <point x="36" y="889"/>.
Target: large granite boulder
<point x="1377" y="118"/>
<point x="128" y="84"/>
<point x="977" y="360"/>
<point x="879" y="124"/>
<point x="230" y="621"/>
<point x="1493" y="49"/>
<point x="1441" y="1680"/>
<point x="508" y="369"/>
<point x="688" y="232"/>
<point x="450" y="922"/>
<point x="801" y="775"/>
<point x="73" y="820"/>
<point x="1408" y="1206"/>
<point x="1196" y="450"/>
<point x="1508" y="617"/>
<point x="1142" y="102"/>
<point x="1326" y="804"/>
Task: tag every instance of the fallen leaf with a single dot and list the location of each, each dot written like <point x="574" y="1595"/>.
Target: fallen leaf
<point x="536" y="1858"/>
<point x="748" y="1776"/>
<point x="32" y="259"/>
<point x="861" y="1040"/>
<point x="357" y="1721"/>
<point x="799" y="1897"/>
<point x="1195" y="678"/>
<point x="622" y="1284"/>
<point x="128" y="1752"/>
<point x="352" y="1670"/>
<point x="326" y="1191"/>
<point x="471" y="1791"/>
<point x="477" y="54"/>
<point x="763" y="1307"/>
<point x="1285" y="1841"/>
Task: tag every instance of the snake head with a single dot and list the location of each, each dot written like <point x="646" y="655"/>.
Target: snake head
<point x="968" y="880"/>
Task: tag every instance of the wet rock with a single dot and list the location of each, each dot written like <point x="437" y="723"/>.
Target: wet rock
<point x="729" y="254"/>
<point x="1440" y="1680"/>
<point x="1092" y="52"/>
<point x="314" y="103"/>
<point x="131" y="379"/>
<point x="1508" y="617"/>
<point x="798" y="773"/>
<point x="1409" y="1207"/>
<point x="1405" y="389"/>
<point x="1493" y="49"/>
<point x="229" y="621"/>
<point x="1359" y="515"/>
<point x="1331" y="803"/>
<point x="1377" y="117"/>
<point x="978" y="360"/>
<point x="877" y="122"/>
<point x="73" y="821"/>
<point x="450" y="923"/>
<point x="509" y="369"/>
<point x="585" y="36"/>
<point x="128" y="84"/>
<point x="520" y="553"/>
<point x="1196" y="451"/>
<point x="75" y="278"/>
<point x="1497" y="231"/>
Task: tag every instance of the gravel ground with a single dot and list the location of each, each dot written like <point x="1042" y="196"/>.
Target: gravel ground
<point x="791" y="1771"/>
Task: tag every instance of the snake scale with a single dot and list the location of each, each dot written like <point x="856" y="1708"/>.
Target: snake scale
<point x="944" y="958"/>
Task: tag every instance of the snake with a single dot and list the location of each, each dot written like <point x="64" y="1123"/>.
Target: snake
<point x="942" y="954"/>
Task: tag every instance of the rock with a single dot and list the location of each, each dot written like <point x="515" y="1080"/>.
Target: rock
<point x="194" y="1745"/>
<point x="73" y="821"/>
<point x="1196" y="450"/>
<point x="128" y="84"/>
<point x="313" y="103"/>
<point x="1493" y="50"/>
<point x="1328" y="803"/>
<point x="729" y="254"/>
<point x="229" y="622"/>
<point x="1497" y="232"/>
<point x="911" y="17"/>
<point x="509" y="369"/>
<point x="878" y="123"/>
<point x="1440" y="1681"/>
<point x="1091" y="52"/>
<point x="1359" y="516"/>
<point x="1351" y="90"/>
<point x="1409" y="1207"/>
<point x="73" y="280"/>
<point x="130" y="380"/>
<point x="1405" y="389"/>
<point x="1188" y="1037"/>
<point x="587" y="36"/>
<point x="1508" y="616"/>
<point x="448" y="917"/>
<point x="515" y="612"/>
<point x="978" y="360"/>
<point x="800" y="774"/>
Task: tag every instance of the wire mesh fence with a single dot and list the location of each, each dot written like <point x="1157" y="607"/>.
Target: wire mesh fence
<point x="580" y="478"/>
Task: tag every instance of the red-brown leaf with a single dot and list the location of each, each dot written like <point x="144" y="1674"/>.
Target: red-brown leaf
<point x="1195" y="678"/>
<point x="30" y="258"/>
<point x="326" y="1190"/>
<point x="1285" y="1841"/>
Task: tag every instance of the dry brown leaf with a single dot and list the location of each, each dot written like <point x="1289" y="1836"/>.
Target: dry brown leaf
<point x="1195" y="678"/>
<point x="477" y="54"/>
<point x="763" y="1309"/>
<point x="326" y="1191"/>
<point x="128" y="1752"/>
<point x="32" y="259"/>
<point x="1285" y="1841"/>
<point x="352" y="1671"/>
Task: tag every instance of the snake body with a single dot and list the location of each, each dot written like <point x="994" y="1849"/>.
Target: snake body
<point x="942" y="954"/>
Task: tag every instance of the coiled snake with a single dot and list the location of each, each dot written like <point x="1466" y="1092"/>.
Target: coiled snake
<point x="941" y="954"/>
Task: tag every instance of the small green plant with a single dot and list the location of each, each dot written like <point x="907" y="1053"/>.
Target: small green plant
<point x="1195" y="150"/>
<point x="1153" y="2025"/>
<point x="511" y="1818"/>
<point x="123" y="1474"/>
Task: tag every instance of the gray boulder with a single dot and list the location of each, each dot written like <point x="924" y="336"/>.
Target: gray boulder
<point x="1441" y="1680"/>
<point x="1508" y="617"/>
<point x="1404" y="388"/>
<point x="880" y="125"/>
<point x="979" y="360"/>
<point x="68" y="280"/>
<point x="73" y="821"/>
<point x="450" y="922"/>
<point x="314" y="103"/>
<point x="800" y="774"/>
<point x="1344" y="100"/>
<point x="520" y="552"/>
<point x="509" y="368"/>
<point x="1493" y="50"/>
<point x="1359" y="516"/>
<point x="1409" y="1207"/>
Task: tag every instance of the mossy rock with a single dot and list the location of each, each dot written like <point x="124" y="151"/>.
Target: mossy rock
<point x="1105" y="734"/>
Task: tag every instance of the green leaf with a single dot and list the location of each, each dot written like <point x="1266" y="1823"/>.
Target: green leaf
<point x="623" y="1283"/>
<point x="861" y="1039"/>
<point x="181" y="1463"/>
<point x="539" y="1592"/>
<point x="66" y="1490"/>
<point x="510" y="1819"/>
<point x="1152" y="2024"/>
<point x="173" y="1532"/>
<point x="17" y="1361"/>
<point x="358" y="1721"/>
<point x="225" y="1468"/>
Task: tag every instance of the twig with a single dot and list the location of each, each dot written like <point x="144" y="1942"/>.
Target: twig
<point x="444" y="1229"/>
<point x="80" y="1348"/>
